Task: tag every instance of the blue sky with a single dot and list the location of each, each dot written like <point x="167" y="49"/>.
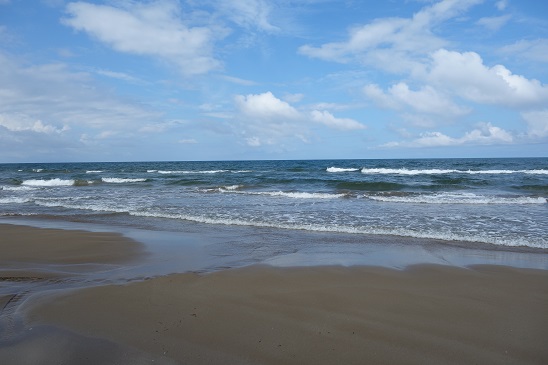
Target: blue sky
<point x="281" y="79"/>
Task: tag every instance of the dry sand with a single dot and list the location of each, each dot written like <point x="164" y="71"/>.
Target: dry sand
<point x="317" y="315"/>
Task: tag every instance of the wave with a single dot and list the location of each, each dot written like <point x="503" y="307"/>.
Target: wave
<point x="14" y="200"/>
<point x="537" y="172"/>
<point x="167" y="172"/>
<point x="16" y="188"/>
<point x="50" y="182"/>
<point x="187" y="172"/>
<point x="237" y="189"/>
<point x="463" y="198"/>
<point x="401" y="232"/>
<point x="117" y="180"/>
<point x="341" y="169"/>
<point x="260" y="221"/>
<point x="404" y="171"/>
<point x="299" y="195"/>
<point x="94" y="171"/>
<point x="369" y="185"/>
<point x="224" y="189"/>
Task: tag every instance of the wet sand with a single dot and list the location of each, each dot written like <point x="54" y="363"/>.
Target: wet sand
<point x="23" y="245"/>
<point x="426" y="314"/>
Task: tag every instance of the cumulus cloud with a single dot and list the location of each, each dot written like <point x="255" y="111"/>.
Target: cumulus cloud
<point x="467" y="76"/>
<point x="425" y="100"/>
<point x="384" y="40"/>
<point x="484" y="134"/>
<point x="328" y="119"/>
<point x="446" y="84"/>
<point x="266" y="119"/>
<point x="150" y="29"/>
<point x="266" y="106"/>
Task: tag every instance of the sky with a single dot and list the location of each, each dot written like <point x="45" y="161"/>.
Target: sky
<point x="169" y="80"/>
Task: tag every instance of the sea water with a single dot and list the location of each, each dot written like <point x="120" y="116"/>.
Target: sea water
<point x="494" y="202"/>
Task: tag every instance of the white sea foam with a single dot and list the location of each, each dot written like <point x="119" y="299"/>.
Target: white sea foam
<point x="231" y="187"/>
<point x="404" y="171"/>
<point x="457" y="198"/>
<point x="402" y="232"/>
<point x="117" y="180"/>
<point x="293" y="195"/>
<point x="67" y="203"/>
<point x="191" y="171"/>
<point x="538" y="172"/>
<point x="16" y="188"/>
<point x="14" y="200"/>
<point x="94" y="171"/>
<point x="493" y="172"/>
<point x="341" y="169"/>
<point x="50" y="182"/>
<point x="224" y="189"/>
<point x="299" y="195"/>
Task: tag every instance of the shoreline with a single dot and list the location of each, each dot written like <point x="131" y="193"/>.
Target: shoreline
<point x="321" y="315"/>
<point x="201" y="247"/>
<point x="260" y="314"/>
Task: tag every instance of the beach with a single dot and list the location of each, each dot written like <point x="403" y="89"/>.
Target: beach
<point x="261" y="314"/>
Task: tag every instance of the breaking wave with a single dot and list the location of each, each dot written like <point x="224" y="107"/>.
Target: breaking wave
<point x="50" y="182"/>
<point x="117" y="180"/>
<point x="462" y="198"/>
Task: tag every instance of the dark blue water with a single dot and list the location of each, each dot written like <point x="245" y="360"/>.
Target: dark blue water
<point x="501" y="202"/>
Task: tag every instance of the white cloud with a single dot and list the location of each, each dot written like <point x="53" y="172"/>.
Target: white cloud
<point x="248" y="13"/>
<point x="47" y="108"/>
<point x="237" y="80"/>
<point x="384" y="40"/>
<point x="537" y="122"/>
<point x="264" y="119"/>
<point x="484" y="134"/>
<point x="494" y="23"/>
<point x="465" y="75"/>
<point x="149" y="29"/>
<point x="266" y="106"/>
<point x="160" y="127"/>
<point x="501" y="5"/>
<point x="425" y="100"/>
<point x="22" y="122"/>
<point x="253" y="141"/>
<point x="535" y="50"/>
<point x="328" y="119"/>
<point x="117" y="75"/>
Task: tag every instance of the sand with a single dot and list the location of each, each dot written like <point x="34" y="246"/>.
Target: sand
<point x="24" y="245"/>
<point x="426" y="314"/>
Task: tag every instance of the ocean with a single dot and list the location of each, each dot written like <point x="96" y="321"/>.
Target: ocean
<point x="498" y="203"/>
